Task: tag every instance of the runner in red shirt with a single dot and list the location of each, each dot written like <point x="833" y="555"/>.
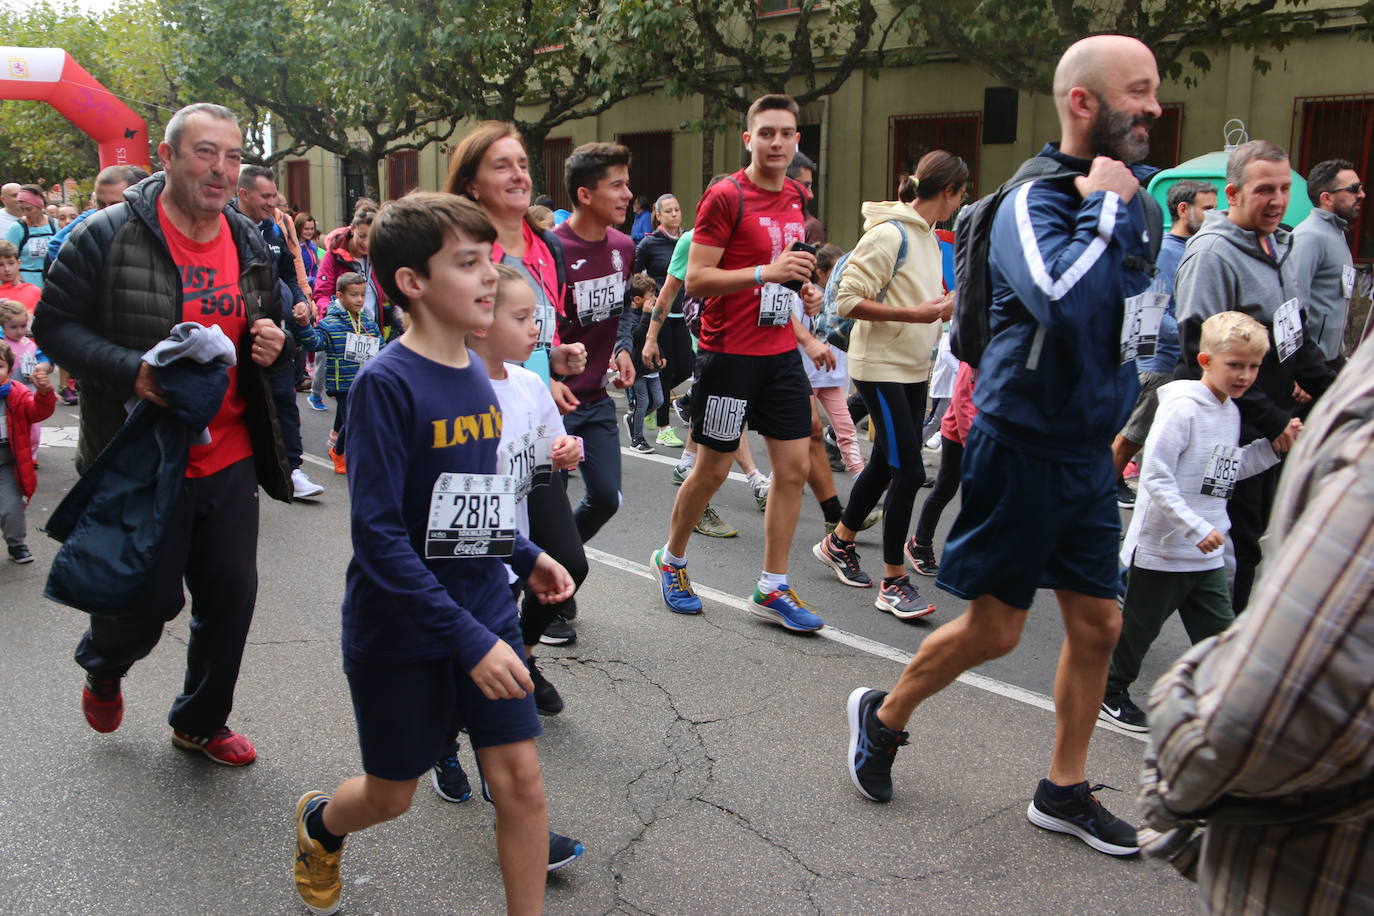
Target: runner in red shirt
<point x="748" y="367"/>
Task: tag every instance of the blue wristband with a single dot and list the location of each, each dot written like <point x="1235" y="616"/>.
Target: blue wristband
<point x="758" y="275"/>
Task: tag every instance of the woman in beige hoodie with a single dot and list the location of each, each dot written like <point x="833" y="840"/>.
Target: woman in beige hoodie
<point x="898" y="309"/>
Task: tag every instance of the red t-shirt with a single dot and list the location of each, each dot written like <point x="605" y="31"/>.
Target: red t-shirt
<point x="772" y="221"/>
<point x="25" y="293"/>
<point x="210" y="295"/>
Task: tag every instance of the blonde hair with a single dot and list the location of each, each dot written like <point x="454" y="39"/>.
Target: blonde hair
<point x="1227" y="331"/>
<point x="9" y="308"/>
<point x="506" y="274"/>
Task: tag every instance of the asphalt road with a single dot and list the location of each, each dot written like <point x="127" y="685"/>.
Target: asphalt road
<point x="700" y="759"/>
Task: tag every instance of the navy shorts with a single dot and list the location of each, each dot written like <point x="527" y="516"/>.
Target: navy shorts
<point x="771" y="393"/>
<point x="408" y="715"/>
<point x="1026" y="523"/>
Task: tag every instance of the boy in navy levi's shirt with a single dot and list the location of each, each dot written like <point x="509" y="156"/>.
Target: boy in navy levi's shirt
<point x="430" y="634"/>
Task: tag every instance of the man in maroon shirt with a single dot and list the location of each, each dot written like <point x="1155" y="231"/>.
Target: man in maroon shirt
<point x="748" y="366"/>
<point x="596" y="313"/>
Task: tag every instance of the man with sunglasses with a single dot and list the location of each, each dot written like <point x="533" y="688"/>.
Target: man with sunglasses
<point x="1321" y="256"/>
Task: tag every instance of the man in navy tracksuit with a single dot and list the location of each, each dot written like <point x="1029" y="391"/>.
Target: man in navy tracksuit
<point x="1055" y="384"/>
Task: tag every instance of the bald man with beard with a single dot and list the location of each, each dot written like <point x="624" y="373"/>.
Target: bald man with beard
<point x="10" y="213"/>
<point x="1039" y="507"/>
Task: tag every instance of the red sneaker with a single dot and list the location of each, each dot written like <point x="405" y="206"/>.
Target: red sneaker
<point x="102" y="703"/>
<point x="224" y="746"/>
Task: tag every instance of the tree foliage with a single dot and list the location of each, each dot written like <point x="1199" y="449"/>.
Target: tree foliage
<point x="1020" y="41"/>
<point x="325" y="72"/>
<point x="537" y="64"/>
<point x="118" y="48"/>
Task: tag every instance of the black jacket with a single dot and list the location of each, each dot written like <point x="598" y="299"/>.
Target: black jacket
<point x="114" y="291"/>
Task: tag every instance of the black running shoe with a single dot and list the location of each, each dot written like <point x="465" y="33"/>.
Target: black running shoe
<point x="558" y="633"/>
<point x="547" y="702"/>
<point x="1084" y="817"/>
<point x="19" y="553"/>
<point x="1125" y="496"/>
<point x="843" y="559"/>
<point x="872" y="745"/>
<point x="449" y="780"/>
<point x="563" y="850"/>
<point x="1119" y="709"/>
<point x="922" y="558"/>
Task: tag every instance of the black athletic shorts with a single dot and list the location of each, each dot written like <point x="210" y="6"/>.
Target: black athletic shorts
<point x="771" y="393"/>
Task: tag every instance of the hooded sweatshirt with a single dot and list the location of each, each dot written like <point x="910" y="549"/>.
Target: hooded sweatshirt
<point x="1225" y="268"/>
<point x="892" y="351"/>
<point x="1325" y="275"/>
<point x="1183" y="488"/>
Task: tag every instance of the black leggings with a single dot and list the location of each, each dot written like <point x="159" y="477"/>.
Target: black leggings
<point x="341" y="402"/>
<point x="896" y="411"/>
<point x="553" y="529"/>
<point x="946" y="485"/>
<point x="674" y="345"/>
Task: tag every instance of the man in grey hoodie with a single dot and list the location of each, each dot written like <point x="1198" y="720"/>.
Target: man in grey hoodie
<point x="1238" y="261"/>
<point x="1321" y="256"/>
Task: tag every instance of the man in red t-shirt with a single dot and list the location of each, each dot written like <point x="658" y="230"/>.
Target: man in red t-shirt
<point x="748" y="366"/>
<point x="173" y="252"/>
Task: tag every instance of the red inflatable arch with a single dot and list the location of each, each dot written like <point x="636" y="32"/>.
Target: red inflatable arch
<point x="51" y="75"/>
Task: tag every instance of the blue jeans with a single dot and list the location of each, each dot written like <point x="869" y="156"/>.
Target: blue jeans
<point x="648" y="395"/>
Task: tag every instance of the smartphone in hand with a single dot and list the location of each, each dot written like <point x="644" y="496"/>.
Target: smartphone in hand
<point x="796" y="285"/>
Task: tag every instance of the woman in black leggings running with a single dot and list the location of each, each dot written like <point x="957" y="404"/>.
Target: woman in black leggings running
<point x="893" y="285"/>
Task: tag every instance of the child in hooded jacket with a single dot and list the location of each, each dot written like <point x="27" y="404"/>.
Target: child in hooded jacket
<point x="20" y="408"/>
<point x="349" y="338"/>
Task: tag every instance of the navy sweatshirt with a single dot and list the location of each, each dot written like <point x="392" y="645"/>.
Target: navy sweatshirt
<point x="411" y="419"/>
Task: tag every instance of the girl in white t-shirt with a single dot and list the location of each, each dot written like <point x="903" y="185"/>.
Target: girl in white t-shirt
<point x="534" y="446"/>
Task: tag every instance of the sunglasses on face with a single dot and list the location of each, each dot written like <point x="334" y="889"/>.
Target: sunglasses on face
<point x="1352" y="188"/>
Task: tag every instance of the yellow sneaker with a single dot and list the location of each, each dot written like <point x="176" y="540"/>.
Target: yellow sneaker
<point x="316" y="871"/>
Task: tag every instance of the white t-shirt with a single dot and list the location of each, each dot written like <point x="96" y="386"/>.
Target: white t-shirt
<point x="525" y="405"/>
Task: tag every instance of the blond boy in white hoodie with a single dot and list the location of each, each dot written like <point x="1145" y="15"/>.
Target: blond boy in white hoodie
<point x="1174" y="546"/>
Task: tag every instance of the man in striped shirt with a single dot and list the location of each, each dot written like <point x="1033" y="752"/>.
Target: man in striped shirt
<point x="1267" y="731"/>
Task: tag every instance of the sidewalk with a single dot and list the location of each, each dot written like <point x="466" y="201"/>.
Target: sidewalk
<point x="700" y="759"/>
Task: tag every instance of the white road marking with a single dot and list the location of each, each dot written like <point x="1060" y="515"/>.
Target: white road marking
<point x="672" y="462"/>
<point x="862" y="643"/>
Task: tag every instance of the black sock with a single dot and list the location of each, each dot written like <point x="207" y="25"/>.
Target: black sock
<point x="841" y="541"/>
<point x="893" y="580"/>
<point x="314" y="826"/>
<point x="832" y="509"/>
<point x="1060" y="793"/>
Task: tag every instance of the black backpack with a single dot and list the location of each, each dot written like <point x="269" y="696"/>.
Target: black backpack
<point x="969" y="328"/>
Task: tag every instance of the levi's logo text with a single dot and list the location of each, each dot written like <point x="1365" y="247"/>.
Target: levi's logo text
<point x="465" y="429"/>
<point x="199" y="285"/>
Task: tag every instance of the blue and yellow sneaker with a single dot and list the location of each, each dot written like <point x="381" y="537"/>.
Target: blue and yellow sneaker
<point x="677" y="588"/>
<point x="785" y="609"/>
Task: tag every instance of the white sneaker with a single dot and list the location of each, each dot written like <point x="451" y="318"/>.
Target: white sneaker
<point x="933" y="442"/>
<point x="303" y="487"/>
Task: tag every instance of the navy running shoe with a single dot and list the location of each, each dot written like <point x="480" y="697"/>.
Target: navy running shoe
<point x="563" y="850"/>
<point x="872" y="745"/>
<point x="1083" y="816"/>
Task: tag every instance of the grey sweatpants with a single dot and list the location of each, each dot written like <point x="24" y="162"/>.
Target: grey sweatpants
<point x="11" y="499"/>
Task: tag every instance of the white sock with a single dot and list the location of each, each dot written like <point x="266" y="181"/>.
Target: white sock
<point x="686" y="461"/>
<point x="672" y="560"/>
<point x="772" y="582"/>
<point x="755" y="477"/>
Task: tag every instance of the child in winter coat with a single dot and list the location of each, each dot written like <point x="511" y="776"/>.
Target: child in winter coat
<point x="349" y="338"/>
<point x="20" y="408"/>
<point x="14" y="322"/>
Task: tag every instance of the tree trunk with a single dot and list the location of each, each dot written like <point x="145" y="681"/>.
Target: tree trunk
<point x="534" y="148"/>
<point x="708" y="151"/>
<point x="372" y="176"/>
